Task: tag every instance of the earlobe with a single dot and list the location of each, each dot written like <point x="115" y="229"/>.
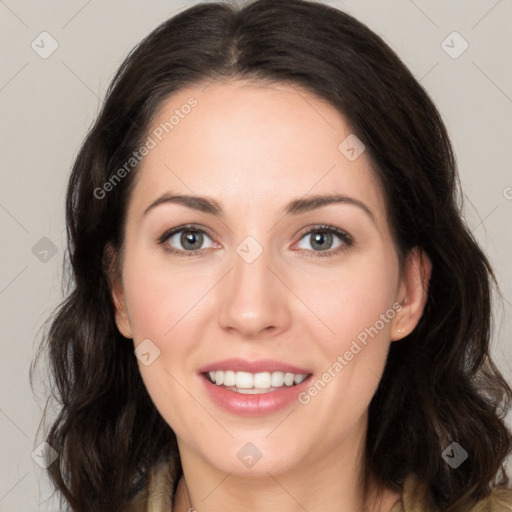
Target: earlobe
<point x="117" y="292"/>
<point x="121" y="314"/>
<point x="413" y="293"/>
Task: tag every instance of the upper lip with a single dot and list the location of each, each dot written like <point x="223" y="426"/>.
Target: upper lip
<point x="261" y="365"/>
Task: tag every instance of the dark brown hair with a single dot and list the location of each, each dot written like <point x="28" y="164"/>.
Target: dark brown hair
<point x="439" y="385"/>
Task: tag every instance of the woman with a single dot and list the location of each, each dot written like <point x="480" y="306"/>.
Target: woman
<point x="324" y="343"/>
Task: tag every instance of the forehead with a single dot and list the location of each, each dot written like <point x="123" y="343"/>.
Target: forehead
<point x="251" y="146"/>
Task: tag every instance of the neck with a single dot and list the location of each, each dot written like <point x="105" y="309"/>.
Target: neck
<point x="327" y="481"/>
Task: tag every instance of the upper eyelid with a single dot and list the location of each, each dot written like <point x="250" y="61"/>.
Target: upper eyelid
<point x="187" y="227"/>
<point x="324" y="227"/>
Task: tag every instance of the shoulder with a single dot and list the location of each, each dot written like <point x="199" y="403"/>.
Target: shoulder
<point x="500" y="500"/>
<point x="414" y="499"/>
<point x="159" y="494"/>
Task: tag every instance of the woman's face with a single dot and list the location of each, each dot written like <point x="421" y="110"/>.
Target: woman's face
<point x="258" y="288"/>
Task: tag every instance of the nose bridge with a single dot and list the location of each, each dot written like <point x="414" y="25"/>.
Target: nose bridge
<point x="253" y="297"/>
<point x="251" y="264"/>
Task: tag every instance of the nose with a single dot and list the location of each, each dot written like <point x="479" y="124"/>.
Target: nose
<point x="254" y="297"/>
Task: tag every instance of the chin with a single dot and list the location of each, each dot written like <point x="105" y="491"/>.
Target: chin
<point x="255" y="456"/>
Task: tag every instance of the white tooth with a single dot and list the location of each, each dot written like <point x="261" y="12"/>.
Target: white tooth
<point x="255" y="382"/>
<point x="277" y="379"/>
<point x="251" y="391"/>
<point x="243" y="380"/>
<point x="261" y="380"/>
<point x="299" y="378"/>
<point x="288" y="379"/>
<point x="229" y="378"/>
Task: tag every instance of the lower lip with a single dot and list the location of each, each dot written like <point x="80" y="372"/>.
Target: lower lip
<point x="254" y="405"/>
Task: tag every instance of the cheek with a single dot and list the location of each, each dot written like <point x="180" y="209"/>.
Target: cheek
<point x="163" y="307"/>
<point x="357" y="305"/>
<point x="351" y="298"/>
<point x="160" y="297"/>
<point x="346" y="298"/>
<point x="363" y="320"/>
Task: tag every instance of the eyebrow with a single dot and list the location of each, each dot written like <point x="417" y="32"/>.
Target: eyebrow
<point x="294" y="207"/>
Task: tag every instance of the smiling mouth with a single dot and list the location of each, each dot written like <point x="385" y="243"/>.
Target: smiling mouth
<point x="254" y="383"/>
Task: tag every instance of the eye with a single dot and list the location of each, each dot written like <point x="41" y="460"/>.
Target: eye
<point x="323" y="240"/>
<point x="189" y="237"/>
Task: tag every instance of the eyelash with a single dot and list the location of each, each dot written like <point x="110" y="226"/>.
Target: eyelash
<point x="345" y="238"/>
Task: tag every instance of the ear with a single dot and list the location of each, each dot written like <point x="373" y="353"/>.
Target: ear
<point x="412" y="293"/>
<point x="111" y="266"/>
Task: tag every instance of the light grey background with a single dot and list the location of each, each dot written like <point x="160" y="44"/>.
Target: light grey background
<point x="47" y="105"/>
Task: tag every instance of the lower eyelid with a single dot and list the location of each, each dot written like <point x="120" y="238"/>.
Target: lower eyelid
<point x="342" y="236"/>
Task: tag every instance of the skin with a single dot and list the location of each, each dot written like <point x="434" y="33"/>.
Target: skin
<point x="254" y="149"/>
